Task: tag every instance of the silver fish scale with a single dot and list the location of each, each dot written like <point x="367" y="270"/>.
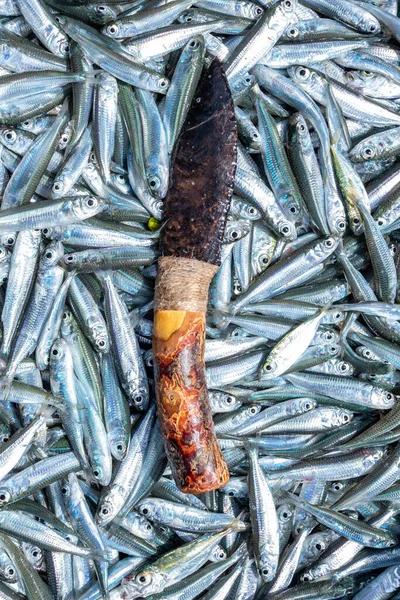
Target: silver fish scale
<point x="302" y="335"/>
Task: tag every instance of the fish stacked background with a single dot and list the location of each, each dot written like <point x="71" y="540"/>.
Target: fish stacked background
<point x="303" y="330"/>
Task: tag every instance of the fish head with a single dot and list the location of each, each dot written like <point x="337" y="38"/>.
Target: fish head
<point x="301" y="405"/>
<point x="5" y="497"/>
<point x="267" y="566"/>
<point x="382" y="399"/>
<point x="270" y="369"/>
<point x="306" y="78"/>
<point x="235" y="488"/>
<point x="118" y="446"/>
<point x="51" y="255"/>
<point x="369" y="24"/>
<point x="158" y="182"/>
<point x="372" y="457"/>
<point x="7" y="239"/>
<point x="285" y="11"/>
<point x="84" y="207"/>
<point x="150" y="510"/>
<point x="110" y="506"/>
<point x="342" y="367"/>
<point x="140" y="524"/>
<point x="235" y="230"/>
<point x="34" y="554"/>
<point x="218" y="554"/>
<point x="365" y="150"/>
<point x="7" y="569"/>
<point x="137" y="391"/>
<point x="284" y="513"/>
<point x="67" y="322"/>
<point x="100" y="13"/>
<point x="59" y="187"/>
<point x="143" y="582"/>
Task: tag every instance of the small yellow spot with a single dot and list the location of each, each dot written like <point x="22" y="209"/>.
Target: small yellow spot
<point x="153" y="224"/>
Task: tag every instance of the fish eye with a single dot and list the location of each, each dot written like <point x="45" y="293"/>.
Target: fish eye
<point x="119" y="447"/>
<point x="343" y="367"/>
<point x="64" y="48"/>
<point x="329" y="243"/>
<point x="10" y="572"/>
<point x="229" y="399"/>
<point x="138" y="399"/>
<point x="144" y="578"/>
<point x="345" y="418"/>
<point x="389" y="396"/>
<point x="69" y="258"/>
<point x="55" y="352"/>
<point x="253" y="410"/>
<point x="10" y="135"/>
<point x="154" y="183"/>
<point x="251" y="210"/>
<point x="97" y="473"/>
<point x="112" y="29"/>
<point x="104" y="511"/>
<point x="3" y="496"/>
<point x="10" y="241"/>
<point x="368" y="152"/>
<point x="293" y="209"/>
<point x="306" y="577"/>
<point x="329" y="336"/>
<point x="380" y="222"/>
<point x="90" y="202"/>
<point x="64" y="490"/>
<point x="144" y="510"/>
<point x="308" y="406"/>
<point x="300" y="127"/>
<point x="148" y="527"/>
<point x="189" y="19"/>
<point x="356" y="221"/>
<point x="318" y="546"/>
<point x="293" y="32"/>
<point x="342" y="225"/>
<point x="258" y="11"/>
<point x="193" y="43"/>
<point x="302" y="72"/>
<point x="265" y="571"/>
<point x="163" y="83"/>
<point x="101" y="9"/>
<point x="221" y="555"/>
<point x="49" y="255"/>
<point x="248" y="80"/>
<point x="372" y="28"/>
<point x="285" y="230"/>
<point x="35" y="553"/>
<point x="267" y="367"/>
<point x="288" y="4"/>
<point x="234" y="234"/>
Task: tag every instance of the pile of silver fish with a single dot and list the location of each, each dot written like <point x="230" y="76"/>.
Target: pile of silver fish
<point x="303" y="333"/>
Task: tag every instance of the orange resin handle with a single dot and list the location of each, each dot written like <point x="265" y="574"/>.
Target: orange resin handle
<point x="182" y="400"/>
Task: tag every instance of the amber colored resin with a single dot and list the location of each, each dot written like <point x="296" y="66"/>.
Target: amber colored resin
<point x="182" y="401"/>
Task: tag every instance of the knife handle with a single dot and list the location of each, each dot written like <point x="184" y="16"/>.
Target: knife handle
<point x="181" y="392"/>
